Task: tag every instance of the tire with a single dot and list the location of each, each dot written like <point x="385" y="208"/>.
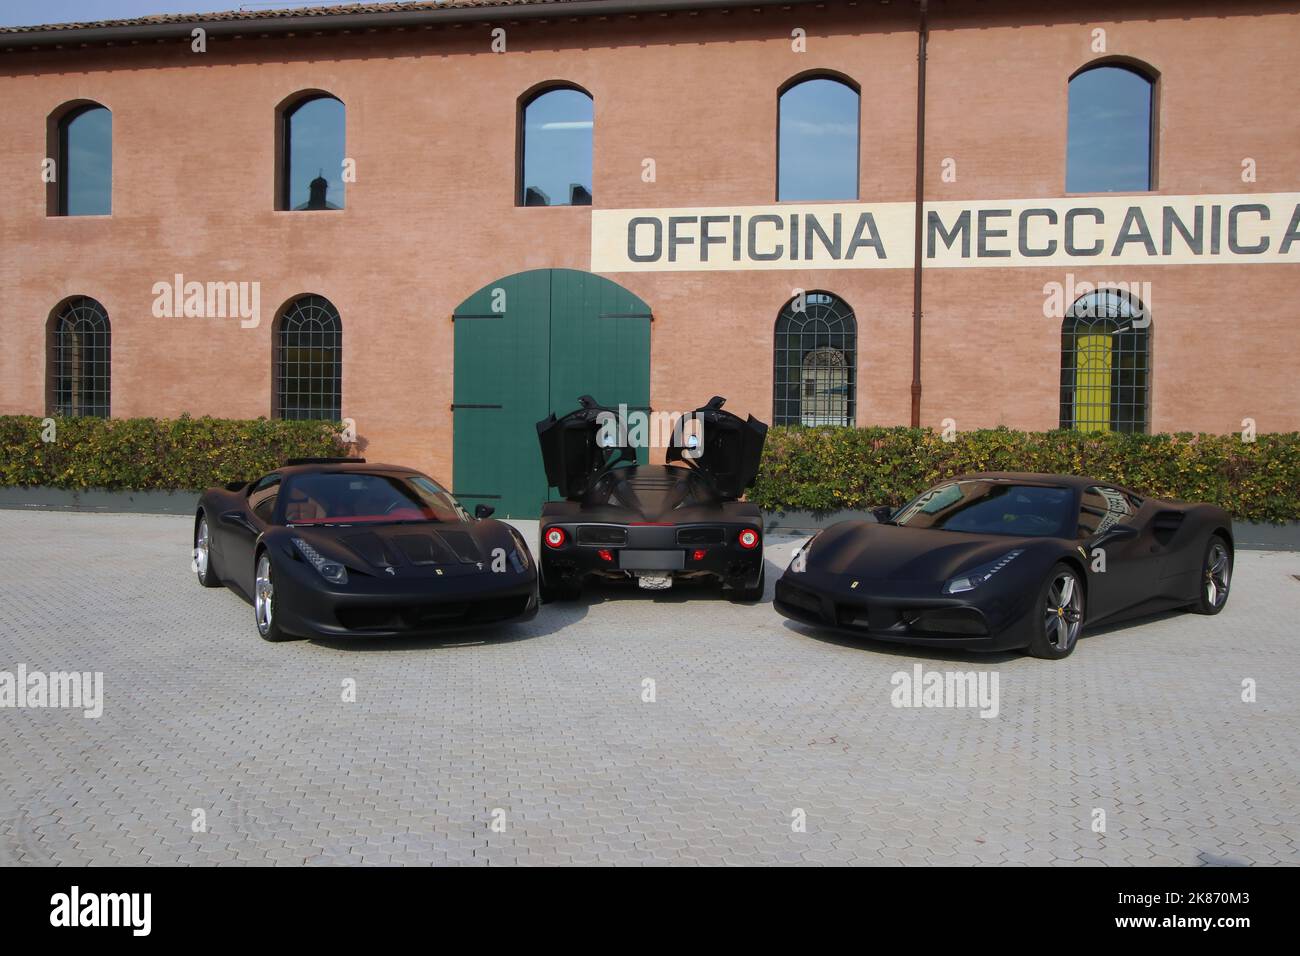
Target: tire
<point x="750" y="595"/>
<point x="1214" y="584"/>
<point x="264" y="601"/>
<point x="1059" y="614"/>
<point x="204" y="568"/>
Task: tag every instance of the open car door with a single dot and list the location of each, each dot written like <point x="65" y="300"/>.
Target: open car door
<point x="578" y="448"/>
<point x="723" y="446"/>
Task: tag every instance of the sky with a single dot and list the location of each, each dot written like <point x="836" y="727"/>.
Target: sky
<point x="15" y="13"/>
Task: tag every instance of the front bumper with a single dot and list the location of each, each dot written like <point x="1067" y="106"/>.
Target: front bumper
<point x="706" y="549"/>
<point x="307" y="606"/>
<point x="904" y="614"/>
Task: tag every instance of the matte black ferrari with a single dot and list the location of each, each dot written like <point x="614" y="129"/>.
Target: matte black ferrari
<point x="651" y="524"/>
<point x="1006" y="560"/>
<point x="337" y="547"/>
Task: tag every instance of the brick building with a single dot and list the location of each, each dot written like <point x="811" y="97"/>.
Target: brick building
<point x="444" y="220"/>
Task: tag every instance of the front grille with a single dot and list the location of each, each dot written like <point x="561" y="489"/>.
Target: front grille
<point x="699" y="536"/>
<point x="798" y="597"/>
<point x="430" y="616"/>
<point x="601" y="534"/>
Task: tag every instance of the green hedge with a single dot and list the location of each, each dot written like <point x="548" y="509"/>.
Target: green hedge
<point x="823" y="469"/>
<point x="153" y="453"/>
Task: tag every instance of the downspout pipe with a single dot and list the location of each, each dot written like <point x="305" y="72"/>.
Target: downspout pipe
<point x="922" y="39"/>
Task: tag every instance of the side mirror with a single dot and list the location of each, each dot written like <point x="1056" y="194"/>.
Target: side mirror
<point x="882" y="513"/>
<point x="484" y="511"/>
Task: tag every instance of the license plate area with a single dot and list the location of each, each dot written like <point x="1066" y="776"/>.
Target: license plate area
<point x="667" y="560"/>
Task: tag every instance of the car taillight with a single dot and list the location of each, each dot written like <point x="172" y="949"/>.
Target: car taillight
<point x="605" y="555"/>
<point x="555" y="538"/>
<point x="698" y="554"/>
<point x="748" y="539"/>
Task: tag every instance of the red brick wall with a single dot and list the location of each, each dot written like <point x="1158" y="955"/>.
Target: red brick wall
<point x="431" y="124"/>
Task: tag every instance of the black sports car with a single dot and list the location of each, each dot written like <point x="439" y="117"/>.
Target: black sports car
<point x="336" y="547"/>
<point x="651" y="523"/>
<point x="1006" y="560"/>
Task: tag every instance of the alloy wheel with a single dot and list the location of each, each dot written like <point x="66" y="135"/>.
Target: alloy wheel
<point x="1063" y="616"/>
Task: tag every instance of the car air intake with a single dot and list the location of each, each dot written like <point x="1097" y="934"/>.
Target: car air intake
<point x="425" y="549"/>
<point x="699" y="536"/>
<point x="601" y="534"/>
<point x="463" y="544"/>
<point x="1165" y="524"/>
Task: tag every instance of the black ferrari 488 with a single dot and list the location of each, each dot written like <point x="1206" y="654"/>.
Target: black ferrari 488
<point x="1005" y="560"/>
<point x="336" y="547"/>
<point x="651" y="523"/>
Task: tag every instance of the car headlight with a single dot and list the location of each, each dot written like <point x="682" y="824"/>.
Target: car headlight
<point x="969" y="580"/>
<point x="519" y="555"/>
<point x="799" y="560"/>
<point x="331" y="571"/>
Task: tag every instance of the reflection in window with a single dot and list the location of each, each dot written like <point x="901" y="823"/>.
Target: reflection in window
<point x="313" y="154"/>
<point x="85" y="171"/>
<point x="80" y="359"/>
<point x="1110" y="137"/>
<point x="817" y="141"/>
<point x="1106" y="363"/>
<point x="815" y="357"/>
<point x="308" y="360"/>
<point x="557" y="138"/>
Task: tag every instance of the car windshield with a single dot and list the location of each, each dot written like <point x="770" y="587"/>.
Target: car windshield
<point x="992" y="507"/>
<point x="356" y="497"/>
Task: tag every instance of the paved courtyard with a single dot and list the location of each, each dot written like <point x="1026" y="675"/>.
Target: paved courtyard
<point x="764" y="743"/>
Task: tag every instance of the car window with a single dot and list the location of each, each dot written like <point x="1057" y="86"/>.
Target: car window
<point x="354" y="497"/>
<point x="263" y="496"/>
<point x="1102" y="507"/>
<point x="991" y="506"/>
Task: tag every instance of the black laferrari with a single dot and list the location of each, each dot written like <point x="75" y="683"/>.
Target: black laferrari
<point x="337" y="547"/>
<point x="1006" y="560"/>
<point x="651" y="524"/>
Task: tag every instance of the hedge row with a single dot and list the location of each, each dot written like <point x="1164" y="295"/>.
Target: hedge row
<point x="152" y="453"/>
<point x="815" y="469"/>
<point x="823" y="469"/>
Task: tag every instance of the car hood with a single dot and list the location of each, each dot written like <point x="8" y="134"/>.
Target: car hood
<point x="433" y="549"/>
<point x="886" y="552"/>
<point x="651" y="494"/>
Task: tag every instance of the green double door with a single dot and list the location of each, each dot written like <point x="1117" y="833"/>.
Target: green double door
<point x="528" y="345"/>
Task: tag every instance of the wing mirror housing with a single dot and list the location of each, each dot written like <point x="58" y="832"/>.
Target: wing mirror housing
<point x="882" y="513"/>
<point x="484" y="511"/>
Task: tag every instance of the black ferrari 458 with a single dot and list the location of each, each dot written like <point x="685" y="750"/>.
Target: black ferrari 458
<point x="651" y="523"/>
<point x="1005" y="560"/>
<point x="337" y="547"/>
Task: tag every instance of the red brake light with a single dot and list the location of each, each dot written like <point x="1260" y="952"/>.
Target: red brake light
<point x="698" y="554"/>
<point x="605" y="555"/>
<point x="555" y="537"/>
<point x="748" y="539"/>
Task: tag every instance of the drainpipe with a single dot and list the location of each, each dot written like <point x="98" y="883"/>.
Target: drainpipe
<point x="922" y="37"/>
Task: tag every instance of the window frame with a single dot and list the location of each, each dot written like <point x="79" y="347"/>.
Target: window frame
<point x="56" y="148"/>
<point x="526" y="99"/>
<point x="796" y="80"/>
<point x="284" y="149"/>
<point x="1070" y="332"/>
<point x="1153" y="77"/>
<point x="842" y="313"/>
<point x="284" y="314"/>
<point x="54" y="379"/>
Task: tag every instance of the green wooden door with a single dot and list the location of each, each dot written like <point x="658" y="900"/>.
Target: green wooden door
<point x="527" y="345"/>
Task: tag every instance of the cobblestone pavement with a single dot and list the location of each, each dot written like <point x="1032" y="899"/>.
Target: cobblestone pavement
<point x="533" y="744"/>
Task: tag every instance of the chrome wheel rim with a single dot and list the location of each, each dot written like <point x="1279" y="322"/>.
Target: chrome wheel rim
<point x="1218" y="575"/>
<point x="201" y="549"/>
<point x="264" y="594"/>
<point x="1063" y="616"/>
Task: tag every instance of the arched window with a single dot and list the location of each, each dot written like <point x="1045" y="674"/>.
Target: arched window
<point x="311" y="154"/>
<point x="1106" y="363"/>
<point x="815" y="358"/>
<point x="1111" y="140"/>
<point x="83" y="150"/>
<point x="555" y="148"/>
<point x="308" y="360"/>
<point x="817" y="139"/>
<point x="79" y="369"/>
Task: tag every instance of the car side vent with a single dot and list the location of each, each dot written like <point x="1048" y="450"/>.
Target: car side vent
<point x="1165" y="524"/>
<point x="699" y="536"/>
<point x="425" y="549"/>
<point x="463" y="544"/>
<point x="599" y="534"/>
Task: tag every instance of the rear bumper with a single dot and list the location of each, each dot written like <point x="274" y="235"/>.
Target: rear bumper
<point x="308" y="607"/>
<point x="619" y="550"/>
<point x="929" y="621"/>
